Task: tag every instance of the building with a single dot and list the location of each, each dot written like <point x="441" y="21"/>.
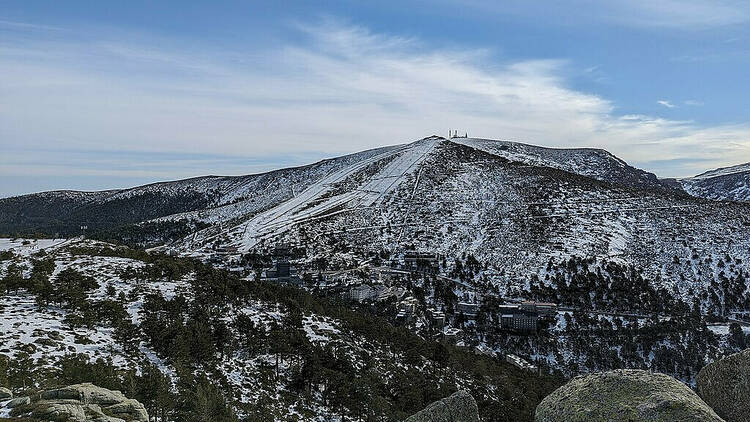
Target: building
<point x="285" y="272"/>
<point x="406" y="310"/>
<point x="282" y="250"/>
<point x="364" y="292"/>
<point x="452" y="335"/>
<point x="470" y="310"/>
<point x="403" y="317"/>
<point x="483" y="350"/>
<point x="512" y="317"/>
<point x="525" y="321"/>
<point x="437" y="318"/>
<point x="543" y="310"/>
<point x="409" y="305"/>
<point x="421" y="261"/>
<point x="393" y="291"/>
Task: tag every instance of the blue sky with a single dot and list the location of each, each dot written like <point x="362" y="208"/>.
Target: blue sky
<point x="98" y="95"/>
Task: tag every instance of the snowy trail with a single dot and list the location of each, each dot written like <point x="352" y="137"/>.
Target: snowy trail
<point x="298" y="210"/>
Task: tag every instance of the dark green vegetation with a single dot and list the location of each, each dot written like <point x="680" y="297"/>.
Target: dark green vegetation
<point x="616" y="318"/>
<point x="63" y="213"/>
<point x="587" y="284"/>
<point x="389" y="374"/>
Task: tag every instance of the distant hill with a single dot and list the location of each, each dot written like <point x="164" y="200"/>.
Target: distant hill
<point x="725" y="184"/>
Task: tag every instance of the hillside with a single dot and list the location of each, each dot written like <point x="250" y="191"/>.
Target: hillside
<point x="592" y="162"/>
<point x="448" y="198"/>
<point x="724" y="184"/>
<point x="213" y="199"/>
<point x="627" y="259"/>
<point x="63" y="212"/>
<point x="185" y="339"/>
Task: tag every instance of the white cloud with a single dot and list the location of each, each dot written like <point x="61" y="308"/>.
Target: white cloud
<point x="666" y="103"/>
<point x="342" y="90"/>
<point x="667" y="14"/>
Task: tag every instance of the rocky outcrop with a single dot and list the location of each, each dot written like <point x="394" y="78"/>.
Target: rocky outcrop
<point x="81" y="403"/>
<point x="626" y="395"/>
<point x="725" y="386"/>
<point x="5" y="393"/>
<point x="459" y="407"/>
<point x="19" y="401"/>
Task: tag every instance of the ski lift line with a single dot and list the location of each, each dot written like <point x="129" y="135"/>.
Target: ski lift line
<point x="413" y="163"/>
<point x="416" y="183"/>
<point x="411" y="198"/>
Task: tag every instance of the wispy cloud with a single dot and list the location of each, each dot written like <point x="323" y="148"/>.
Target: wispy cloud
<point x="27" y="26"/>
<point x="666" y="14"/>
<point x="666" y="103"/>
<point x="342" y="88"/>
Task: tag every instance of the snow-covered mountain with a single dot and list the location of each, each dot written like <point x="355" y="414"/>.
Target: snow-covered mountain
<point x="213" y="199"/>
<point x="592" y="162"/>
<point x="64" y="211"/>
<point x="515" y="211"/>
<point x="514" y="206"/>
<point x="577" y="227"/>
<point x="725" y="184"/>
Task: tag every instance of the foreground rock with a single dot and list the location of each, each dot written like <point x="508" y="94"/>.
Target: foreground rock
<point x="725" y="386"/>
<point x="627" y="395"/>
<point x="459" y="407"/>
<point x="81" y="403"/>
<point x="5" y="393"/>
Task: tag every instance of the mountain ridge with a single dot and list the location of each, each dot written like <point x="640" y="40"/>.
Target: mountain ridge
<point x="723" y="184"/>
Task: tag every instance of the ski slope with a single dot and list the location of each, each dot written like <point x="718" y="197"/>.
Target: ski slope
<point x="312" y="203"/>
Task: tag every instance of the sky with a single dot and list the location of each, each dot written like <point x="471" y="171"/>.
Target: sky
<point x="99" y="95"/>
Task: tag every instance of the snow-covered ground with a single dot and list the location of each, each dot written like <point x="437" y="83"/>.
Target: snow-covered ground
<point x="26" y="247"/>
<point x="42" y="333"/>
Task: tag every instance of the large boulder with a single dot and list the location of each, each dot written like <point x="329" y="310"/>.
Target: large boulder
<point x="459" y="407"/>
<point x="625" y="395"/>
<point x="82" y="403"/>
<point x="18" y="401"/>
<point x="5" y="393"/>
<point x="725" y="386"/>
